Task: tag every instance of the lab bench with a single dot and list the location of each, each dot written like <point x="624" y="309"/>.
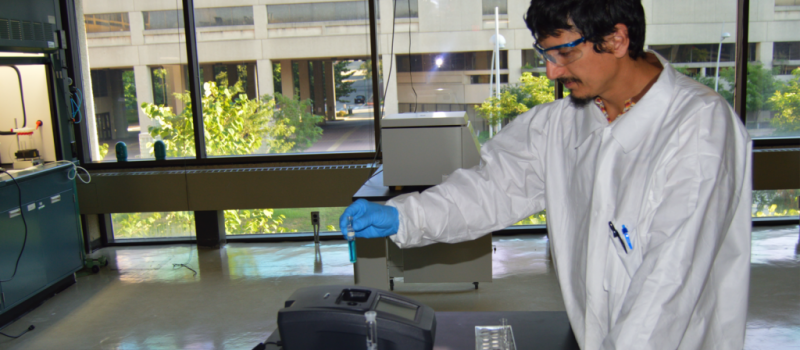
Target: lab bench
<point x="531" y="329"/>
<point x="381" y="260"/>
<point x="53" y="249"/>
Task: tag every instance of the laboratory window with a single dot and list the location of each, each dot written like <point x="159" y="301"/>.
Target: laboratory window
<point x="223" y="16"/>
<point x="280" y="221"/>
<point x="317" y="12"/>
<point x="449" y="61"/>
<point x="168" y="19"/>
<point x="176" y="224"/>
<point x="785" y="51"/>
<point x="107" y="22"/>
<point x="489" y="5"/>
<point x="775" y="203"/>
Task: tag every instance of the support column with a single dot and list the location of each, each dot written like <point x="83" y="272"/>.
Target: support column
<point x="764" y="53"/>
<point x="330" y="90"/>
<point x="210" y="228"/>
<point x="287" y="80"/>
<point x="386" y="11"/>
<point x="175" y="84"/>
<point x="137" y="28"/>
<point x="260" y="20"/>
<point x="514" y="66"/>
<point x="86" y="79"/>
<point x="390" y="100"/>
<point x="305" y="86"/>
<point x="319" y="89"/>
<point x="144" y="93"/>
<point x="265" y="78"/>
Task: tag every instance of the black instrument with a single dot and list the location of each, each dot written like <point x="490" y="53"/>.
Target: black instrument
<point x="332" y="317"/>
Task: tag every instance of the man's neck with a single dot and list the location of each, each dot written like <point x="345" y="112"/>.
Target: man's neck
<point x="633" y="80"/>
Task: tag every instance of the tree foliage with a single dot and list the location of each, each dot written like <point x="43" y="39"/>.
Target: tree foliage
<point x="181" y="223"/>
<point x="787" y="105"/>
<point x="233" y="125"/>
<point x="760" y="84"/>
<point x="129" y="94"/>
<point x="517" y="99"/>
<point x="294" y="129"/>
<point x="343" y="88"/>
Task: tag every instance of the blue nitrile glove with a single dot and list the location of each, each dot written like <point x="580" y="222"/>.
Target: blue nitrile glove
<point x="370" y="220"/>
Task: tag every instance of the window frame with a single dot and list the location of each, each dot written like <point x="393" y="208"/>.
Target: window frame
<point x="189" y="30"/>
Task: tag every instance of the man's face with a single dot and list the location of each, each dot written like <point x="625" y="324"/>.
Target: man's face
<point x="586" y="77"/>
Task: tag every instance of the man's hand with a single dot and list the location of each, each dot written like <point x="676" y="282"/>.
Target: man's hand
<point x="370" y="220"/>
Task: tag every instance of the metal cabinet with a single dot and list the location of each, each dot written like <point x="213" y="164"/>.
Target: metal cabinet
<point x="53" y="246"/>
<point x="380" y="260"/>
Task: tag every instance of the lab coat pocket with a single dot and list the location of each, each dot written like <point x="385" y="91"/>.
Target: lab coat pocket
<point x="631" y="254"/>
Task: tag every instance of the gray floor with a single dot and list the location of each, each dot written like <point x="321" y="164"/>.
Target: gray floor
<point x="142" y="300"/>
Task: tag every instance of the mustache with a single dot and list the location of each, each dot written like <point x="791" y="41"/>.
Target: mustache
<point x="569" y="80"/>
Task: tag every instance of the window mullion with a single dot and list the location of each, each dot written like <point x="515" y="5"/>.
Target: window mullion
<point x="194" y="78"/>
<point x="740" y="89"/>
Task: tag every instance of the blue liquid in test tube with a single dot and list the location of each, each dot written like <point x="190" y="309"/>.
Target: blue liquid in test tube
<point x="351" y="239"/>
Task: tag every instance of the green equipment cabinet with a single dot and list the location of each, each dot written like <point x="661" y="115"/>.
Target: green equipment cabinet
<point x="53" y="250"/>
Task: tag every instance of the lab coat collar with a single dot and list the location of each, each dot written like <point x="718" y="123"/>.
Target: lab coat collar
<point x="632" y="127"/>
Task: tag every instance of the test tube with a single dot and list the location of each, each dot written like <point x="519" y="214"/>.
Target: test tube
<point x="351" y="239"/>
<point x="372" y="330"/>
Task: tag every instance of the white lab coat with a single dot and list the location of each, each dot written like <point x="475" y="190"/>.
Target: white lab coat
<point x="675" y="170"/>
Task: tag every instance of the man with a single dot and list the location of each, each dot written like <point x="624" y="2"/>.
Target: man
<point x="645" y="175"/>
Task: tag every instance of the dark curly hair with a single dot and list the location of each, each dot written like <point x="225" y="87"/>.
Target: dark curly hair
<point x="594" y="19"/>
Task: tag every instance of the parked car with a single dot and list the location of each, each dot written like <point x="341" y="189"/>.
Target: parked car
<point x="360" y="99"/>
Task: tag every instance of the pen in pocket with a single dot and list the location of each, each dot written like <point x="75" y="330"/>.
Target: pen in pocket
<point x="618" y="236"/>
<point x="627" y="238"/>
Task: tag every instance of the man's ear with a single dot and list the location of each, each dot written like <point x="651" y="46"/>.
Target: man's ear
<point x="619" y="41"/>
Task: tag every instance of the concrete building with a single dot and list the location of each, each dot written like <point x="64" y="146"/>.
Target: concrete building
<point x="135" y="41"/>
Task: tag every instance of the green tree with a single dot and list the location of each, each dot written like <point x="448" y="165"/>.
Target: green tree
<point x="787" y="104"/>
<point x="129" y="93"/>
<point x="367" y="66"/>
<point x="142" y="225"/>
<point x="343" y="88"/>
<point x="760" y="84"/>
<point x="234" y="125"/>
<point x="516" y="99"/>
<point x="295" y="128"/>
<point x="240" y="222"/>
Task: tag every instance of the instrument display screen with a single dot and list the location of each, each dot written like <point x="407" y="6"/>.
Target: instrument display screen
<point x="397" y="307"/>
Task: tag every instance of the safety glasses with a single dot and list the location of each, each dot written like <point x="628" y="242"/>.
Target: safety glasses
<point x="561" y="55"/>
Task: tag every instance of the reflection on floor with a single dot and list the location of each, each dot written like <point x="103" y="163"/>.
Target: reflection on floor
<point x="145" y="298"/>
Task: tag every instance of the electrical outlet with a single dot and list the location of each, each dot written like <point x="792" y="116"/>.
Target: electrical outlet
<point x="314" y="218"/>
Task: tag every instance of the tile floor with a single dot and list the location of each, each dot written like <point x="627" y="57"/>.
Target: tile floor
<point x="146" y="300"/>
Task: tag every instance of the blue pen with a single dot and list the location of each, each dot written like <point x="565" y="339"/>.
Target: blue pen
<point x="627" y="238"/>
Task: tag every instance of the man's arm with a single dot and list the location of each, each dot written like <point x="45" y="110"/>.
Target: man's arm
<point x="506" y="187"/>
<point x="690" y="291"/>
